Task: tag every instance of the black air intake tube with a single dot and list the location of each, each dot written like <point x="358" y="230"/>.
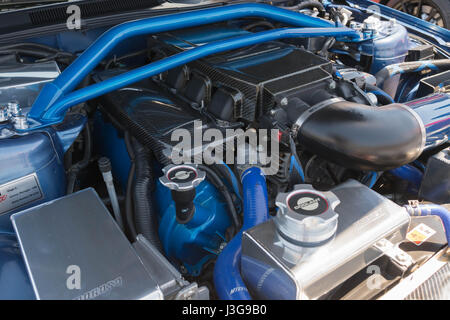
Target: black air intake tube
<point x="362" y="137"/>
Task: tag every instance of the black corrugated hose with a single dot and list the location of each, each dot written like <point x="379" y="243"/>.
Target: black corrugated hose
<point x="129" y="192"/>
<point x="144" y="213"/>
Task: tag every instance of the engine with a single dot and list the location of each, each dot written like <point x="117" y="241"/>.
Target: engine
<point x="241" y="151"/>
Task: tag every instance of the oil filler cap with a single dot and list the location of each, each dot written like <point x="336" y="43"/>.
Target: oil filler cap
<point x="182" y="177"/>
<point x="182" y="180"/>
<point x="306" y="216"/>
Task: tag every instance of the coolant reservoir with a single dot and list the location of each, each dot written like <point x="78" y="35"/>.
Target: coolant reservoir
<point x="306" y="216"/>
<point x="288" y="258"/>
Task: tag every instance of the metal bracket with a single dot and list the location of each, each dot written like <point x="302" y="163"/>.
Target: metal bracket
<point x="193" y="292"/>
<point x="397" y="255"/>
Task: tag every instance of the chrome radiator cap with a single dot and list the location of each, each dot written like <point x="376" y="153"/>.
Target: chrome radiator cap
<point x="306" y="216"/>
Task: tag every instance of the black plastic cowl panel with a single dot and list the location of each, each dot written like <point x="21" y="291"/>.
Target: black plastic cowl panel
<point x="51" y="15"/>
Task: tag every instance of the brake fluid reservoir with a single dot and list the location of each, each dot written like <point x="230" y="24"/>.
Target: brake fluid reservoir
<point x="389" y="43"/>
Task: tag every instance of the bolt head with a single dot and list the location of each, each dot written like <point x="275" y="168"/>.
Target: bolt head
<point x="20" y="122"/>
<point x="4" y="114"/>
<point x="402" y="257"/>
<point x="14" y="108"/>
<point x="332" y="85"/>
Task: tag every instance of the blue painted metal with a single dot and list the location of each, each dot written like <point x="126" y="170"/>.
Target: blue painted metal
<point x="33" y="153"/>
<point x="408" y="88"/>
<point x="409" y="173"/>
<point x="40" y="152"/>
<point x="14" y="281"/>
<point x="434" y="110"/>
<point x="70" y="129"/>
<point x="402" y="68"/>
<point x="194" y="243"/>
<point x="197" y="241"/>
<point x="109" y="143"/>
<point x="389" y="46"/>
<point x="227" y="277"/>
<point x="53" y="112"/>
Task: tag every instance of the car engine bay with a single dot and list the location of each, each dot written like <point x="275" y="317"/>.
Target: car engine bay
<point x="278" y="150"/>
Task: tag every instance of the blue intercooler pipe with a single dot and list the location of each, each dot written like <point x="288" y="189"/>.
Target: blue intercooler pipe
<point x="432" y="210"/>
<point x="227" y="276"/>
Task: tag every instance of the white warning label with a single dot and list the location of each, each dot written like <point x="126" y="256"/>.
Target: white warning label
<point x="420" y="234"/>
<point x="19" y="192"/>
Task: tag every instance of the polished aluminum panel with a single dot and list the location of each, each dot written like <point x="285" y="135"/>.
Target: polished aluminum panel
<point x="23" y="82"/>
<point x="73" y="249"/>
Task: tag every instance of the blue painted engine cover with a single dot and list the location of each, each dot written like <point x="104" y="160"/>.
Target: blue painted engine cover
<point x="198" y="241"/>
<point x="192" y="244"/>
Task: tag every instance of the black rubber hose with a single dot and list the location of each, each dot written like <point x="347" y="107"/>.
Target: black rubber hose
<point x="130" y="55"/>
<point x="77" y="167"/>
<point x="311" y="4"/>
<point x="218" y="183"/>
<point x="30" y="45"/>
<point x="226" y="174"/>
<point x="262" y="23"/>
<point x="27" y="52"/>
<point x="363" y="137"/>
<point x="144" y="213"/>
<point x="35" y="50"/>
<point x="327" y="45"/>
<point x="129" y="192"/>
<point x="410" y="67"/>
